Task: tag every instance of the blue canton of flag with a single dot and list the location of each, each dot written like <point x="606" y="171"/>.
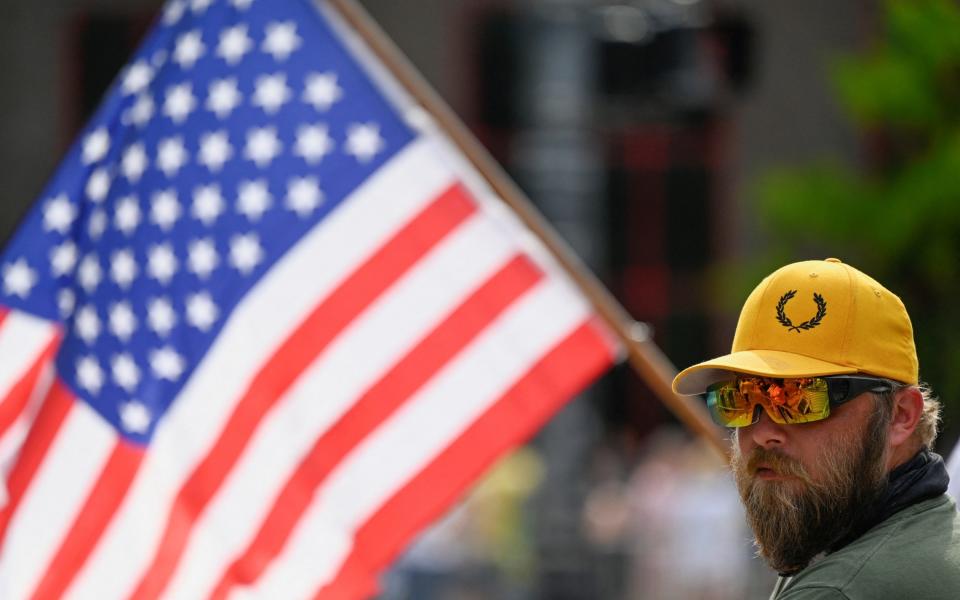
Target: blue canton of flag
<point x="233" y="131"/>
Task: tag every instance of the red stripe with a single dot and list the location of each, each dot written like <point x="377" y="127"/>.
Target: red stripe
<point x="323" y="325"/>
<point x="435" y="350"/>
<point x="52" y="414"/>
<point x="19" y="395"/>
<point x="4" y="312"/>
<point x="98" y="509"/>
<point x="563" y="372"/>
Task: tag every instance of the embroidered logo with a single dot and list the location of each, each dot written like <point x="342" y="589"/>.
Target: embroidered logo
<point x="810" y="324"/>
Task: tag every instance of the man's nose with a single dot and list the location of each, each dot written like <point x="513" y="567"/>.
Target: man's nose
<point x="766" y="433"/>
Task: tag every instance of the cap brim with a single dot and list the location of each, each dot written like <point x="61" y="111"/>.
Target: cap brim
<point x="766" y="363"/>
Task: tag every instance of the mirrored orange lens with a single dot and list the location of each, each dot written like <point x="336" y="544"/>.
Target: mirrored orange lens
<point x="787" y="401"/>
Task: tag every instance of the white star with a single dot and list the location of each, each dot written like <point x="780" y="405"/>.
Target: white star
<point x="171" y="155"/>
<point x="97" y="224"/>
<point x="174" y="11"/>
<point x="223" y="97"/>
<point x="263" y="145"/>
<point x="122" y="321"/>
<point x="96" y="145"/>
<point x="198" y="6"/>
<point x="271" y="92"/>
<point x="364" y="141"/>
<point x="245" y="252"/>
<point x="254" y="199"/>
<point x="281" y="40"/>
<point x="202" y="257"/>
<point x="313" y="143"/>
<point x="160" y="316"/>
<point x="137" y="77"/>
<point x="63" y="258"/>
<point x="123" y="268"/>
<point x="166" y="363"/>
<point x="127" y="216"/>
<point x="126" y="374"/>
<point x="241" y="4"/>
<point x="165" y="209"/>
<point x="87" y="324"/>
<point x="189" y="49"/>
<point x="98" y="186"/>
<point x="18" y="278"/>
<point x="179" y="102"/>
<point x="207" y="204"/>
<point x="419" y="119"/>
<point x="141" y="112"/>
<point x="89" y="274"/>
<point x="136" y="417"/>
<point x="202" y="312"/>
<point x="134" y="162"/>
<point x="234" y="43"/>
<point x="321" y="90"/>
<point x="303" y="195"/>
<point x="215" y="150"/>
<point x="162" y="263"/>
<point x="58" y="214"/>
<point x="66" y="301"/>
<point x="89" y="374"/>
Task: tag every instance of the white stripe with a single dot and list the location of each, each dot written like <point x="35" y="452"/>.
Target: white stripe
<point x="414" y="435"/>
<point x="266" y="317"/>
<point x="23" y="338"/>
<point x="360" y="356"/>
<point x="51" y="503"/>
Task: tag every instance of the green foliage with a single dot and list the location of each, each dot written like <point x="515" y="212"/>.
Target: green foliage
<point x="899" y="218"/>
<point x="910" y="80"/>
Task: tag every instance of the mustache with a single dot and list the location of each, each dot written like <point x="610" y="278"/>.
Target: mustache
<point x="778" y="462"/>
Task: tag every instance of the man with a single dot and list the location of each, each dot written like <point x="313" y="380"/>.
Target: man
<point x="832" y="438"/>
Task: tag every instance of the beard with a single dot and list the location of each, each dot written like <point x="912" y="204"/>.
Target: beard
<point x="797" y="518"/>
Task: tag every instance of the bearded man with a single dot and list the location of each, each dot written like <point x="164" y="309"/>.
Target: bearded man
<point x="832" y="439"/>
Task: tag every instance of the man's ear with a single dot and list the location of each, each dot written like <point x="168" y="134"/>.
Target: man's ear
<point x="907" y="410"/>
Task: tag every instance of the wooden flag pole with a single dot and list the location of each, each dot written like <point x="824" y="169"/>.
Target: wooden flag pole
<point x="643" y="355"/>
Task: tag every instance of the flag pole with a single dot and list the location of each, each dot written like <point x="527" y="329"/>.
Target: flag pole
<point x="643" y="355"/>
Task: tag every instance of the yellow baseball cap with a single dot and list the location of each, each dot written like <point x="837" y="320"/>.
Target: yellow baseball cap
<point x="812" y="318"/>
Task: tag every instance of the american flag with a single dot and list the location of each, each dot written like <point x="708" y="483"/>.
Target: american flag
<point x="263" y="325"/>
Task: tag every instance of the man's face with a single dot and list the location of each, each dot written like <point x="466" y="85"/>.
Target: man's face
<point x="805" y="486"/>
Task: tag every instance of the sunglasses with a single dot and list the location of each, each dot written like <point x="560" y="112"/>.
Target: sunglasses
<point x="737" y="403"/>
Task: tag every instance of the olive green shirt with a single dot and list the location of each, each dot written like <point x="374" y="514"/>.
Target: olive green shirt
<point x="913" y="555"/>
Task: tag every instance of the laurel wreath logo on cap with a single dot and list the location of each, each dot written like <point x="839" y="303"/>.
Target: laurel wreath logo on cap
<point x="810" y="324"/>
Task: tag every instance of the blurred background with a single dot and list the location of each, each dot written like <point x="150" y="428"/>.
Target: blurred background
<point x="684" y="148"/>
